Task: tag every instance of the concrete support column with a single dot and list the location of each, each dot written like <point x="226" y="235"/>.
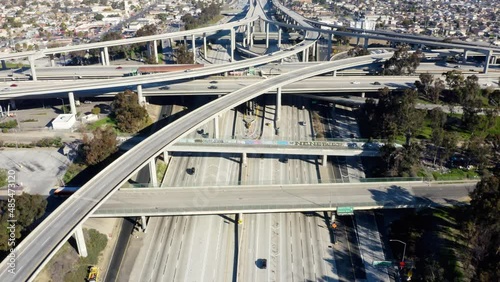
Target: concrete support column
<point x="357" y="40"/>
<point x="314" y="51"/>
<point x="324" y="161"/>
<point x="52" y="62"/>
<point x="141" y="99"/>
<point x="334" y="73"/>
<point x="80" y="241"/>
<point x="464" y="59"/>
<point x="144" y="224"/>
<point x="307" y="55"/>
<point x="267" y="35"/>
<point x="279" y="37"/>
<point x="4" y="65"/>
<point x="103" y="61"/>
<point x="216" y="127"/>
<point x="165" y="156"/>
<point x="330" y="45"/>
<point x="153" y="180"/>
<point x="366" y="43"/>
<point x="304" y="56"/>
<point x="248" y="33"/>
<point x="72" y="104"/>
<point x="193" y="43"/>
<point x="362" y="94"/>
<point x="155" y="51"/>
<point x="106" y="56"/>
<point x="252" y="29"/>
<point x="244" y="158"/>
<point x="205" y="46"/>
<point x="278" y="104"/>
<point x="32" y="68"/>
<point x="487" y="61"/>
<point x="233" y="45"/>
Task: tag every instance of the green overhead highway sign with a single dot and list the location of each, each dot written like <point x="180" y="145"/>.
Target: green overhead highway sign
<point x="382" y="263"/>
<point x="345" y="210"/>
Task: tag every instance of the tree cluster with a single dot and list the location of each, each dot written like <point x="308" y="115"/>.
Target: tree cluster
<point x="183" y="55"/>
<point x="482" y="231"/>
<point x="130" y="116"/>
<point x="101" y="146"/>
<point x="393" y="115"/>
<point x="28" y="208"/>
<point x="402" y="62"/>
<point x="208" y="13"/>
<point x="429" y="87"/>
<point x="358" y="51"/>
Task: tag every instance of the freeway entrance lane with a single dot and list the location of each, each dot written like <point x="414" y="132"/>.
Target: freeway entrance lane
<point x="300" y="197"/>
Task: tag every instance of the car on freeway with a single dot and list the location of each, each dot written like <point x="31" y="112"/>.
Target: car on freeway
<point x="376" y="83"/>
<point x="355" y="82"/>
<point x="13" y="85"/>
<point x="191" y="170"/>
<point x="6" y="89"/>
<point x="214" y="82"/>
<point x="119" y="68"/>
<point x="284" y="160"/>
<point x="456" y="67"/>
<point x="212" y="87"/>
<point x="302" y="123"/>
<point x="166" y="87"/>
<point x="187" y="70"/>
<point x="262" y="263"/>
<point x="87" y="102"/>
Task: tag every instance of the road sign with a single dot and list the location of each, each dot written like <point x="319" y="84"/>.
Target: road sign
<point x="402" y="264"/>
<point x="383" y="263"/>
<point x="345" y="210"/>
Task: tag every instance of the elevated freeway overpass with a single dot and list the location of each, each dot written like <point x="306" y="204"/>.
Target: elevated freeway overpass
<point x="280" y="198"/>
<point x="42" y="243"/>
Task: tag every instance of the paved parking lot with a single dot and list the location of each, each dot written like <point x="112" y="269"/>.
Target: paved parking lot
<point x="37" y="169"/>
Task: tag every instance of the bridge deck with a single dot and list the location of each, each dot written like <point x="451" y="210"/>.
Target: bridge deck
<point x="279" y="198"/>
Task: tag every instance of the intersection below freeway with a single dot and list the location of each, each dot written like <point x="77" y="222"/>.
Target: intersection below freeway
<point x="280" y="198"/>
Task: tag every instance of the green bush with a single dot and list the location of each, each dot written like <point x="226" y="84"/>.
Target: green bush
<point x="73" y="170"/>
<point x="48" y="142"/>
<point x="8" y="124"/>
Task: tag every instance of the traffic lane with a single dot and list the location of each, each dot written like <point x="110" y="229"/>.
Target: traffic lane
<point x="258" y="195"/>
<point x="350" y="263"/>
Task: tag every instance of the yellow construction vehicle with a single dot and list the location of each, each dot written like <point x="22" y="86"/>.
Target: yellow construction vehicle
<point x="93" y="274"/>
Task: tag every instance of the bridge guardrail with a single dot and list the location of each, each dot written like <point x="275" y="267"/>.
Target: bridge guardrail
<point x="271" y="182"/>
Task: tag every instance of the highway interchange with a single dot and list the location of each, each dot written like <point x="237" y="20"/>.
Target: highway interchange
<point x="41" y="244"/>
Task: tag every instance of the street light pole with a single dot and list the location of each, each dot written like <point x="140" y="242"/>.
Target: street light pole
<point x="404" y="250"/>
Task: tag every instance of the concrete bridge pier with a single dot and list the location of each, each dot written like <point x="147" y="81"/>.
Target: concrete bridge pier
<point x="4" y="65"/>
<point x="144" y="223"/>
<point x="205" y="45"/>
<point x="153" y="180"/>
<point x="464" y="59"/>
<point x="244" y="159"/>
<point x="324" y="160"/>
<point x="80" y="241"/>
<point x="72" y="105"/>
<point x="106" y="56"/>
<point x="304" y="56"/>
<point x="248" y="33"/>
<point x="12" y="103"/>
<point x="52" y="61"/>
<point x="330" y="46"/>
<point x="193" y="44"/>
<point x="357" y="40"/>
<point x="279" y="36"/>
<point x="335" y="73"/>
<point x="363" y="94"/>
<point x="314" y="46"/>
<point x="487" y="61"/>
<point x="155" y="51"/>
<point x="278" y="104"/>
<point x="31" y="59"/>
<point x="165" y="156"/>
<point x="233" y="39"/>
<point x="267" y="35"/>
<point x="103" y="62"/>
<point x="216" y="127"/>
<point x="141" y="99"/>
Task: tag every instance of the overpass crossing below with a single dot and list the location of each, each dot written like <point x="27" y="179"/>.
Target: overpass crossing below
<point x="330" y="148"/>
<point x="281" y="198"/>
